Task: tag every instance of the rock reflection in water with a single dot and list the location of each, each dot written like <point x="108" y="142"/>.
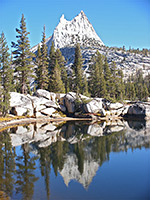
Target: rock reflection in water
<point x="74" y="149"/>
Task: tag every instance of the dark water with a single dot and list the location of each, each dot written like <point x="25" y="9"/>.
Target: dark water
<point x="76" y="161"/>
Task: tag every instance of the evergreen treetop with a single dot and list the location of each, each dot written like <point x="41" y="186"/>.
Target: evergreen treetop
<point x="23" y="57"/>
<point x="6" y="76"/>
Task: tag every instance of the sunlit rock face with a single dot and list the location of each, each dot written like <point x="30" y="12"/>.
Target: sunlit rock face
<point x="78" y="30"/>
<point x="69" y="33"/>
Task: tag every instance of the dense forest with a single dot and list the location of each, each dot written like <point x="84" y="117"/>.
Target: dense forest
<point x="47" y="71"/>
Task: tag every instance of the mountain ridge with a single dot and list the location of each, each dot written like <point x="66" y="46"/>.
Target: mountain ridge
<point x="79" y="30"/>
<point x="69" y="33"/>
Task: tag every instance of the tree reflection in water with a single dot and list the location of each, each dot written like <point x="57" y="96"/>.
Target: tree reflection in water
<point x="7" y="164"/>
<point x="25" y="166"/>
<point x="75" y="154"/>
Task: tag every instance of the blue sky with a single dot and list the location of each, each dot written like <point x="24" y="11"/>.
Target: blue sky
<point x="117" y="22"/>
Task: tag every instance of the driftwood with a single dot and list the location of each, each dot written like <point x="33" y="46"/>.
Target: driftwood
<point x="39" y="120"/>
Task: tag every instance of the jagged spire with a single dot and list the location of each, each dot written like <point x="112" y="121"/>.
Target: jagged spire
<point x="78" y="30"/>
<point x="62" y="18"/>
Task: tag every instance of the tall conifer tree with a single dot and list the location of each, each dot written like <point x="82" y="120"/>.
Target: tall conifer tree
<point x="58" y="86"/>
<point x="77" y="67"/>
<point x="97" y="81"/>
<point x="44" y="64"/>
<point x="107" y="76"/>
<point x="23" y="57"/>
<point x="38" y="62"/>
<point x="6" y="76"/>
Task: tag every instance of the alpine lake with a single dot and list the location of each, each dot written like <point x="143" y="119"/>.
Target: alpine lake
<point x="76" y="161"/>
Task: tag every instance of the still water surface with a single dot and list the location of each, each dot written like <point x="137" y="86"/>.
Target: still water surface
<point x="76" y="161"/>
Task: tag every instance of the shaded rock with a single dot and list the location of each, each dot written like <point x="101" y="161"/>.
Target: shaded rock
<point x="74" y="101"/>
<point x="136" y="109"/>
<point x="63" y="108"/>
<point x="140" y="110"/>
<point x="70" y="102"/>
<point x="42" y="93"/>
<point x="60" y="98"/>
<point x="51" y="104"/>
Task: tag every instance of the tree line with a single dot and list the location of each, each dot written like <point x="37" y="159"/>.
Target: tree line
<point x="47" y="71"/>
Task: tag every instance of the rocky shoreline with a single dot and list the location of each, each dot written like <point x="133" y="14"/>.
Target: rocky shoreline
<point x="46" y="106"/>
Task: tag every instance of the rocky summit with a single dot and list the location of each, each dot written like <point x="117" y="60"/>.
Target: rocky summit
<point x="79" y="30"/>
<point x="69" y="33"/>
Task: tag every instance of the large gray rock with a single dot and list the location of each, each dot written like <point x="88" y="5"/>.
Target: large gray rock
<point x="48" y="111"/>
<point x="94" y="106"/>
<point x="115" y="106"/>
<point x="42" y="93"/>
<point x="20" y="104"/>
<point x="140" y="109"/>
<point x="21" y="111"/>
<point x="136" y="109"/>
<point x="45" y="94"/>
<point x="70" y="102"/>
<point x="52" y="104"/>
<point x="73" y="101"/>
<point x="21" y="100"/>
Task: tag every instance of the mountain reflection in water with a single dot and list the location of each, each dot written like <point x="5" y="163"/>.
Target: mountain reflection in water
<point x="75" y="150"/>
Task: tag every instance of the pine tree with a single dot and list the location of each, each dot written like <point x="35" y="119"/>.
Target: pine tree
<point x="130" y="92"/>
<point x="64" y="78"/>
<point x="23" y="57"/>
<point x="44" y="80"/>
<point x="120" y="89"/>
<point x="52" y="58"/>
<point x="57" y="81"/>
<point x="96" y="80"/>
<point x="77" y="67"/>
<point x="145" y="92"/>
<point x="6" y="74"/>
<point x="113" y="81"/>
<point x="61" y="62"/>
<point x="102" y="82"/>
<point x="52" y="61"/>
<point x="38" y="62"/>
<point x="85" y="86"/>
<point x="107" y="76"/>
